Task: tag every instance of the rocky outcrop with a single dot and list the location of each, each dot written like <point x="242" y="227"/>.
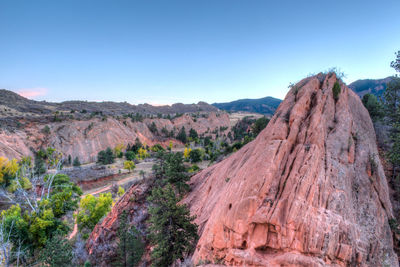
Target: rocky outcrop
<point x="309" y="191"/>
<point x="101" y="245"/>
<point x="85" y="138"/>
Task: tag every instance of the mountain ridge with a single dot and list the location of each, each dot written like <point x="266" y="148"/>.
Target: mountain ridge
<point x="19" y="104"/>
<point x="265" y="105"/>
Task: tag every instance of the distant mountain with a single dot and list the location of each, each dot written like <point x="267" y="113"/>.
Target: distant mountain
<point x="266" y="105"/>
<point x="375" y="87"/>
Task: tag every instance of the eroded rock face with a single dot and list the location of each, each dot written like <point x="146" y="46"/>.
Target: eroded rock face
<point x="309" y="191"/>
<point x="84" y="139"/>
<point x="102" y="245"/>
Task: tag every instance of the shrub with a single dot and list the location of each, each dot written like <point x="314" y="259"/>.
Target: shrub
<point x="121" y="191"/>
<point x="157" y="147"/>
<point x="130" y="155"/>
<point x="336" y="91"/>
<point x="193" y="168"/>
<point x="46" y="130"/>
<point x="195" y="155"/>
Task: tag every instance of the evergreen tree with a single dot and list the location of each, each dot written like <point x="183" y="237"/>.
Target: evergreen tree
<point x="396" y="63"/>
<point x="171" y="229"/>
<point x="130" y="245"/>
<point x="76" y="163"/>
<point x="57" y="252"/>
<point x="373" y="106"/>
<point x="391" y="98"/>
<point x="106" y="156"/>
<point x="195" y="155"/>
<point x="392" y="111"/>
<point x="193" y="134"/>
<point x="135" y="147"/>
<point x="259" y="125"/>
<point x="394" y="152"/>
<point x="175" y="172"/>
<point x="153" y="128"/>
<point x="182" y="135"/>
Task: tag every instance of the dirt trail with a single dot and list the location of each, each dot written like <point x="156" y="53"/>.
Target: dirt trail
<point x="134" y="176"/>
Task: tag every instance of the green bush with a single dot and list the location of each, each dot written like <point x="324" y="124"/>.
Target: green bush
<point x="130" y="155"/>
<point x="195" y="155"/>
<point x="336" y="91"/>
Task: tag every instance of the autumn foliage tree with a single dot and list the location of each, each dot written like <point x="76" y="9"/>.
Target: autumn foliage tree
<point x="91" y="210"/>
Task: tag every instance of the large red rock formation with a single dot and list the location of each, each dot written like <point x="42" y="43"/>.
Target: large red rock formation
<point x="309" y="191"/>
<point x="84" y="139"/>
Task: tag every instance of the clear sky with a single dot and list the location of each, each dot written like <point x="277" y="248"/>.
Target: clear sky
<point x="168" y="51"/>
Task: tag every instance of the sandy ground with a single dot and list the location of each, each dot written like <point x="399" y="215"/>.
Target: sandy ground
<point x="237" y="116"/>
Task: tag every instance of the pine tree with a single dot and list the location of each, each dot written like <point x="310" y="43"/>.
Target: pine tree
<point x="171" y="229"/>
<point x="76" y="163"/>
<point x="193" y="134"/>
<point x="130" y="244"/>
<point x="182" y="135"/>
<point x="391" y="99"/>
<point x="373" y="106"/>
<point x="175" y="172"/>
<point x="57" y="252"/>
<point x="106" y="156"/>
<point x="392" y="111"/>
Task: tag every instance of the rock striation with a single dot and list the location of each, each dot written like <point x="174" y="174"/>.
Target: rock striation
<point x="85" y="138"/>
<point x="310" y="190"/>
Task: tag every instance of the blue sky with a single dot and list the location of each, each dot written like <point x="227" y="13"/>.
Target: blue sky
<point x="162" y="52"/>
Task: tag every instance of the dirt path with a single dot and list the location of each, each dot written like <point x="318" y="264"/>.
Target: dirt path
<point x="134" y="176"/>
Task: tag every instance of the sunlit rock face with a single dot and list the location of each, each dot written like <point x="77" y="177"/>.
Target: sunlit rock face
<point x="85" y="138"/>
<point x="309" y="191"/>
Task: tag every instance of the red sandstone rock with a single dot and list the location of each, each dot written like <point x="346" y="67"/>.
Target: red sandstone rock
<point x="84" y="139"/>
<point x="309" y="191"/>
<point x="101" y="245"/>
